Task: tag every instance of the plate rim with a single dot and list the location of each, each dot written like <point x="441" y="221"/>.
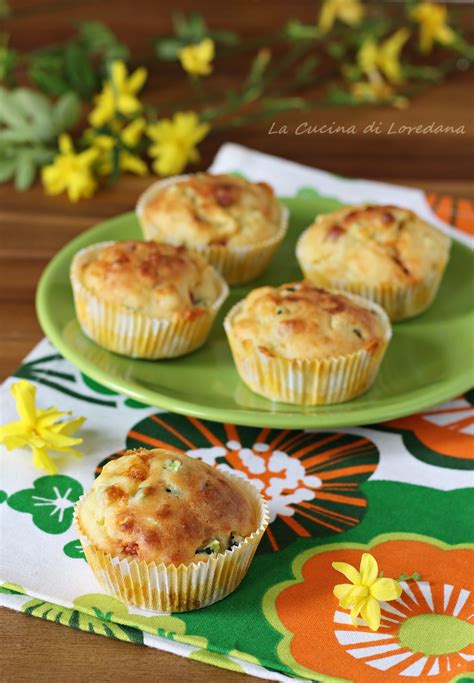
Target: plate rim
<point x="242" y="416"/>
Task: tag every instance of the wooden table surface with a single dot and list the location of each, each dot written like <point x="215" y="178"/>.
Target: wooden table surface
<point x="34" y="227"/>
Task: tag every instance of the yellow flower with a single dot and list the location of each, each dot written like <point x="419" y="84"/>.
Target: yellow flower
<point x="39" y="429"/>
<point x="70" y="172"/>
<point x="118" y="95"/>
<point x="175" y="142"/>
<point x="375" y="91"/>
<point x="433" y="25"/>
<point x="128" y="137"/>
<point x="348" y="11"/>
<point x="196" y="59"/>
<point x="385" y="57"/>
<point x="365" y="591"/>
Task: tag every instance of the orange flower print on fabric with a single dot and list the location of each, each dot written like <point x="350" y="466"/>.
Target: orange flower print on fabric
<point x="425" y="635"/>
<point x="442" y="436"/>
<point x="453" y="210"/>
<point x="311" y="480"/>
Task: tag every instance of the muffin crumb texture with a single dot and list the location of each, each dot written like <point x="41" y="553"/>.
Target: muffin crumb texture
<point x="215" y="210"/>
<point x="301" y="321"/>
<point x="165" y="507"/>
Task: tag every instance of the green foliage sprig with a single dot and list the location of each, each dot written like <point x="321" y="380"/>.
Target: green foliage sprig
<point x="29" y="126"/>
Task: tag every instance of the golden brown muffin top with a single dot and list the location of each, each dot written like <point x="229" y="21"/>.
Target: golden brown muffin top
<point x="374" y="244"/>
<point x="298" y="320"/>
<point x="207" y="209"/>
<point x="156" y="279"/>
<point x="165" y="506"/>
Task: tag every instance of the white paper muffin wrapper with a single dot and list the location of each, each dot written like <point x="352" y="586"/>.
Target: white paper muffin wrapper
<point x="308" y="381"/>
<point x="132" y="333"/>
<point x="236" y="264"/>
<point x="169" y="588"/>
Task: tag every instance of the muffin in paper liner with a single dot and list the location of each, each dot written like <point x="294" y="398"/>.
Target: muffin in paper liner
<point x="237" y="265"/>
<point x="170" y="588"/>
<point x="399" y="301"/>
<point x="306" y="381"/>
<point x="133" y="333"/>
<point x="402" y="299"/>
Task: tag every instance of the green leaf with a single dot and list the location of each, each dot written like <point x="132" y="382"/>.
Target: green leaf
<point x="258" y="67"/>
<point x="79" y="71"/>
<point x="190" y="29"/>
<point x="8" y="60"/>
<point x="275" y="105"/>
<point x="66" y="112"/>
<point x="25" y="170"/>
<point x="10" y="112"/>
<point x="18" y="135"/>
<point x="296" y="30"/>
<point x="225" y="37"/>
<point x="38" y="111"/>
<point x="7" y="169"/>
<point x="422" y="73"/>
<point x="46" y="70"/>
<point x="168" y="49"/>
<point x="336" y="50"/>
<point x="98" y="38"/>
<point x="305" y="71"/>
<point x="50" y="83"/>
<point x="42" y="155"/>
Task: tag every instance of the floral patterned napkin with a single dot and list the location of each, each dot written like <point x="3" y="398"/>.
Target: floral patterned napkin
<point x="399" y="490"/>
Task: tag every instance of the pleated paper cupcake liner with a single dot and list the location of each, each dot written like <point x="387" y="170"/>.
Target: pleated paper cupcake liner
<point x="399" y="301"/>
<point x="169" y="588"/>
<point x="308" y="381"/>
<point x="135" y="334"/>
<point x="236" y="264"/>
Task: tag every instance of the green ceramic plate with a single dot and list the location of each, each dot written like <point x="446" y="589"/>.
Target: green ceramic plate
<point x="428" y="361"/>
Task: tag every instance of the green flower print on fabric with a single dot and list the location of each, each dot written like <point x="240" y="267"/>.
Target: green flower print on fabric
<point x="3" y="496"/>
<point x="111" y="610"/>
<point x="50" y="502"/>
<point x="101" y="389"/>
<point x="12" y="589"/>
<point x="81" y="620"/>
<point x="74" y="550"/>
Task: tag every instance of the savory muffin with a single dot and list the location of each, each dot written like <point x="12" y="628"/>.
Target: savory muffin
<point x="165" y="506"/>
<point x="145" y="299"/>
<point x="175" y="519"/>
<point x="303" y="344"/>
<point x="385" y="253"/>
<point x="236" y="224"/>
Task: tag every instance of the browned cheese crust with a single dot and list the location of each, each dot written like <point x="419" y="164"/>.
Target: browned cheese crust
<point x="156" y="279"/>
<point x="298" y="320"/>
<point x="373" y="244"/>
<point x="210" y="209"/>
<point x="165" y="506"/>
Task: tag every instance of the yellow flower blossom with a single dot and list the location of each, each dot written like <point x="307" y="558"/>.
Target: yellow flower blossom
<point x="127" y="137"/>
<point x="433" y="25"/>
<point x="375" y="91"/>
<point x="70" y="172"/>
<point x="118" y="95"/>
<point x="39" y="429"/>
<point x="196" y="59"/>
<point x="365" y="591"/>
<point x="348" y="11"/>
<point x="175" y="142"/>
<point x="385" y="57"/>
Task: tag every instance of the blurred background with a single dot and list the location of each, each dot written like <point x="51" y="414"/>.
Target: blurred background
<point x="34" y="24"/>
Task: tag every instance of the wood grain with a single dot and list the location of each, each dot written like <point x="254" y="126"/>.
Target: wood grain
<point x="33" y="227"/>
